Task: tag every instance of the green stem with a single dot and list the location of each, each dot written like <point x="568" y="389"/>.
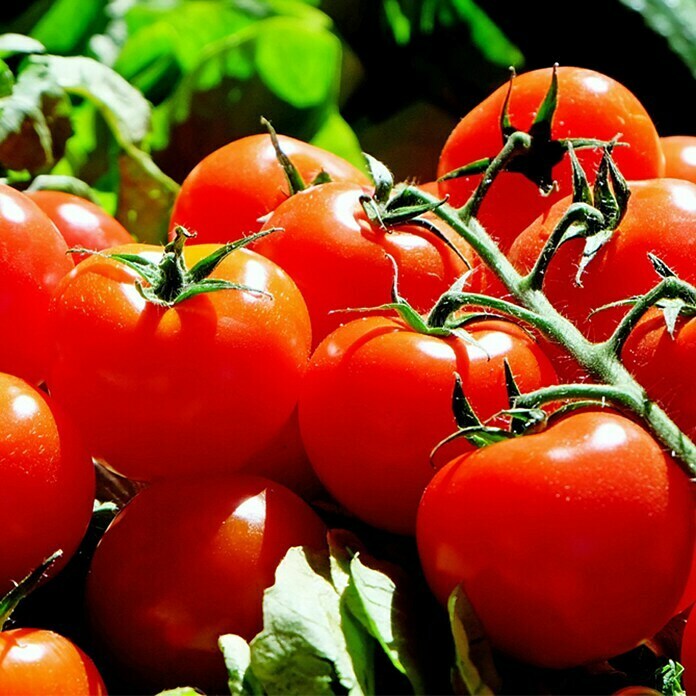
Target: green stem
<point x="599" y="359"/>
<point x="517" y="143"/>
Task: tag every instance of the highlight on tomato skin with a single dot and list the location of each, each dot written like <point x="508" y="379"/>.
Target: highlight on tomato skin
<point x="184" y="563"/>
<point x="590" y="105"/>
<point x="36" y="661"/>
<point x="680" y="156"/>
<point x="81" y="222"/>
<point x="227" y="193"/>
<point x="550" y="535"/>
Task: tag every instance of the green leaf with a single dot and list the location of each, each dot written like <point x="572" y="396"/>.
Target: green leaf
<point x="309" y="644"/>
<point x="474" y="672"/>
<point x="6" y="79"/>
<point x="180" y="691"/>
<point x="11" y="44"/>
<point x="298" y="63"/>
<point x="669" y="678"/>
<point x="237" y="653"/>
<point x="69" y="184"/>
<point x="66" y="26"/>
<point x="334" y="134"/>
<point x="675" y="20"/>
<point x="123" y="107"/>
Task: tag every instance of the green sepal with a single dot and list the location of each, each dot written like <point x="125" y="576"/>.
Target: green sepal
<point x="669" y="679"/>
<point x="661" y="268"/>
<point x="541" y="126"/>
<point x="513" y="391"/>
<point x="464" y="414"/>
<point x="582" y="193"/>
<point x="322" y="177"/>
<point x="477" y="167"/>
<point x="383" y="178"/>
<point x="506" y="127"/>
<point x="292" y="174"/>
<point x="143" y="267"/>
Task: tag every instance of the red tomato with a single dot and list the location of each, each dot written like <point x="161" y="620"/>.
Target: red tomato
<point x="680" y="156"/>
<point x="660" y="219"/>
<point x="197" y="387"/>
<point x="550" y="536"/>
<point x="47" y="482"/>
<point x="185" y="562"/>
<point x="34" y="662"/>
<point x="226" y="194"/>
<point x="338" y="258"/>
<point x="590" y="105"/>
<point x="81" y="222"/>
<point x="34" y="258"/>
<point x="377" y="398"/>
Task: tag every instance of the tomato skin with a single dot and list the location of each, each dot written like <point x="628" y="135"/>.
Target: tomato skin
<point x="550" y="536"/>
<point x="680" y="156"/>
<point x="228" y="191"/>
<point x="34" y="662"/>
<point x="590" y="105"/>
<point x="377" y="398"/>
<point x="198" y="387"/>
<point x="688" y="654"/>
<point x="339" y="259"/>
<point x="81" y="222"/>
<point x="185" y="562"/>
<point x="660" y="219"/>
<point x="47" y="480"/>
<point x="34" y="258"/>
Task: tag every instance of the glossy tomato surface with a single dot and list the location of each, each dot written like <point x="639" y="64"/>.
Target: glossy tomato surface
<point x="680" y="156"/>
<point x="81" y="222"/>
<point x="590" y="105"/>
<point x="660" y="219"/>
<point x="34" y="258"/>
<point x="34" y="662"/>
<point x="377" y="399"/>
<point x="186" y="562"/>
<point x="550" y="535"/>
<point x="339" y="259"/>
<point x="47" y="482"/>
<point x="226" y="194"/>
<point x="197" y="387"/>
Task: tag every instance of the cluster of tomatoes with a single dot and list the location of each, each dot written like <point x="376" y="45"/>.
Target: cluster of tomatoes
<point x="235" y="375"/>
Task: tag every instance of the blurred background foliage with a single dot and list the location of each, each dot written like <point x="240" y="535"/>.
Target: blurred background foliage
<point x="390" y="77"/>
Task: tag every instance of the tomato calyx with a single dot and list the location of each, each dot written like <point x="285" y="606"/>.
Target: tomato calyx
<point x="533" y="153"/>
<point x="24" y="587"/>
<point x="170" y="281"/>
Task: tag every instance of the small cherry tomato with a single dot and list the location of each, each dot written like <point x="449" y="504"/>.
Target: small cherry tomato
<point x="47" y="482"/>
<point x="186" y="562"/>
<point x="229" y="191"/>
<point x="550" y="536"/>
<point x="34" y="662"/>
<point x="34" y="258"/>
<point x="590" y="105"/>
<point x="81" y="222"/>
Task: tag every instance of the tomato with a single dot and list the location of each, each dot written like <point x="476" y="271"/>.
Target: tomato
<point x="81" y="222"/>
<point x="34" y="258"/>
<point x="377" y="399"/>
<point x="226" y="194"/>
<point x="550" y="536"/>
<point x="34" y="661"/>
<point x="660" y="219"/>
<point x="590" y="105"/>
<point x="185" y="562"/>
<point x="47" y="480"/>
<point x="688" y="654"/>
<point x="680" y="156"/>
<point x="338" y="258"/>
<point x="197" y="387"/>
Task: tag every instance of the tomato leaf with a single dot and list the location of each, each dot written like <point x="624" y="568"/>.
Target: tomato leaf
<point x="474" y="672"/>
<point x="237" y="654"/>
<point x="65" y="27"/>
<point x="673" y="19"/>
<point x="309" y="643"/>
<point x="12" y="44"/>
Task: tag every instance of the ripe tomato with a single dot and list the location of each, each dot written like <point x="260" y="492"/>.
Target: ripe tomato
<point x="197" y="387"/>
<point x="338" y="258"/>
<point x="377" y="399"/>
<point x="81" y="222"/>
<point x="34" y="258"/>
<point x="590" y="105"/>
<point x="47" y="480"/>
<point x="680" y="156"/>
<point x="34" y="661"/>
<point x="550" y="536"/>
<point x="660" y="219"/>
<point x="227" y="192"/>
<point x="185" y="562"/>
